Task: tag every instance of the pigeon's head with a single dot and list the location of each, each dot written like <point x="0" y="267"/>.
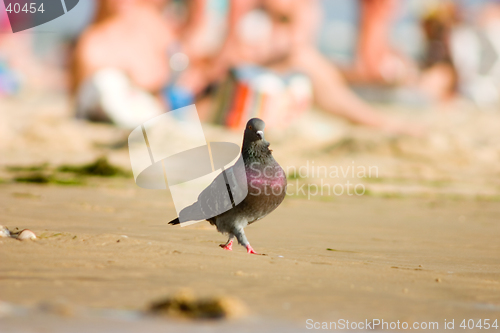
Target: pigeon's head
<point x="254" y="130"/>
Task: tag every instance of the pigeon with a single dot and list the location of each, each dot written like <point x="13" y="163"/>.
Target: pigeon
<point x="266" y="183"/>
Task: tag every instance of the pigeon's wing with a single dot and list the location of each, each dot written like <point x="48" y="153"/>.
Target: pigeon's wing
<point x="218" y="197"/>
<point x="211" y="202"/>
<point x="236" y="178"/>
<point x="227" y="190"/>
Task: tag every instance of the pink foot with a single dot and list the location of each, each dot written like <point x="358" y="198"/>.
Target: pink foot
<point x="228" y="246"/>
<point x="251" y="250"/>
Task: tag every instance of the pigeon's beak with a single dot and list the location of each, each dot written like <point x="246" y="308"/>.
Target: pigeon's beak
<point x="260" y="134"/>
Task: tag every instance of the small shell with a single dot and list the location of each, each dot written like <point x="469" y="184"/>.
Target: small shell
<point x="26" y="234"/>
<point x="4" y="232"/>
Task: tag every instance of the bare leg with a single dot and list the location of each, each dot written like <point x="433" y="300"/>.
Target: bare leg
<point x="242" y="239"/>
<point x="330" y="89"/>
<point x="229" y="244"/>
<point x="376" y="59"/>
<point x="333" y="95"/>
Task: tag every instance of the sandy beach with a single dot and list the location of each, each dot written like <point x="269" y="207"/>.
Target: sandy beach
<point x="108" y="246"/>
<point x="384" y="116"/>
<point x="420" y="245"/>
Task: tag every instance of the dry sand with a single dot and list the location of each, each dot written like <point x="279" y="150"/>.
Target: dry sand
<point x="420" y="245"/>
<point x="397" y="259"/>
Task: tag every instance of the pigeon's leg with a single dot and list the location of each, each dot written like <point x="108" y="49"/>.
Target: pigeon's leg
<point x="242" y="239"/>
<point x="251" y="250"/>
<point x="229" y="245"/>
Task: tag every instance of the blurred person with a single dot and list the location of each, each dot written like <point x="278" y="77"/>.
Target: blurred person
<point x="461" y="54"/>
<point x="200" y="29"/>
<point x="120" y="64"/>
<point x="16" y="56"/>
<point x="8" y="84"/>
<point x="376" y="60"/>
<point x="280" y="35"/>
<point x="129" y="35"/>
<point x="474" y="47"/>
<point x="439" y="79"/>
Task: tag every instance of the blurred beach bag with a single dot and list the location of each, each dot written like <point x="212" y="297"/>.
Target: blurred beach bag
<point x="251" y="91"/>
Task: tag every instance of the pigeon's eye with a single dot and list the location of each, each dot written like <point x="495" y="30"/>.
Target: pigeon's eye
<point x="250" y="127"/>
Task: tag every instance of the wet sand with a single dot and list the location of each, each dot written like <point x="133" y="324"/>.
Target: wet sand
<point x="108" y="245"/>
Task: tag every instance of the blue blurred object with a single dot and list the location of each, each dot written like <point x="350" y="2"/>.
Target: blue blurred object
<point x="9" y="81"/>
<point x="178" y="97"/>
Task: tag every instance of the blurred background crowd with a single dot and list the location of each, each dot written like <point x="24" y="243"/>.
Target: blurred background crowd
<point x="125" y="61"/>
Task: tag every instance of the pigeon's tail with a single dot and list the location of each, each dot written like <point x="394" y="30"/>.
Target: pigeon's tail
<point x="174" y="221"/>
<point x="190" y="213"/>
